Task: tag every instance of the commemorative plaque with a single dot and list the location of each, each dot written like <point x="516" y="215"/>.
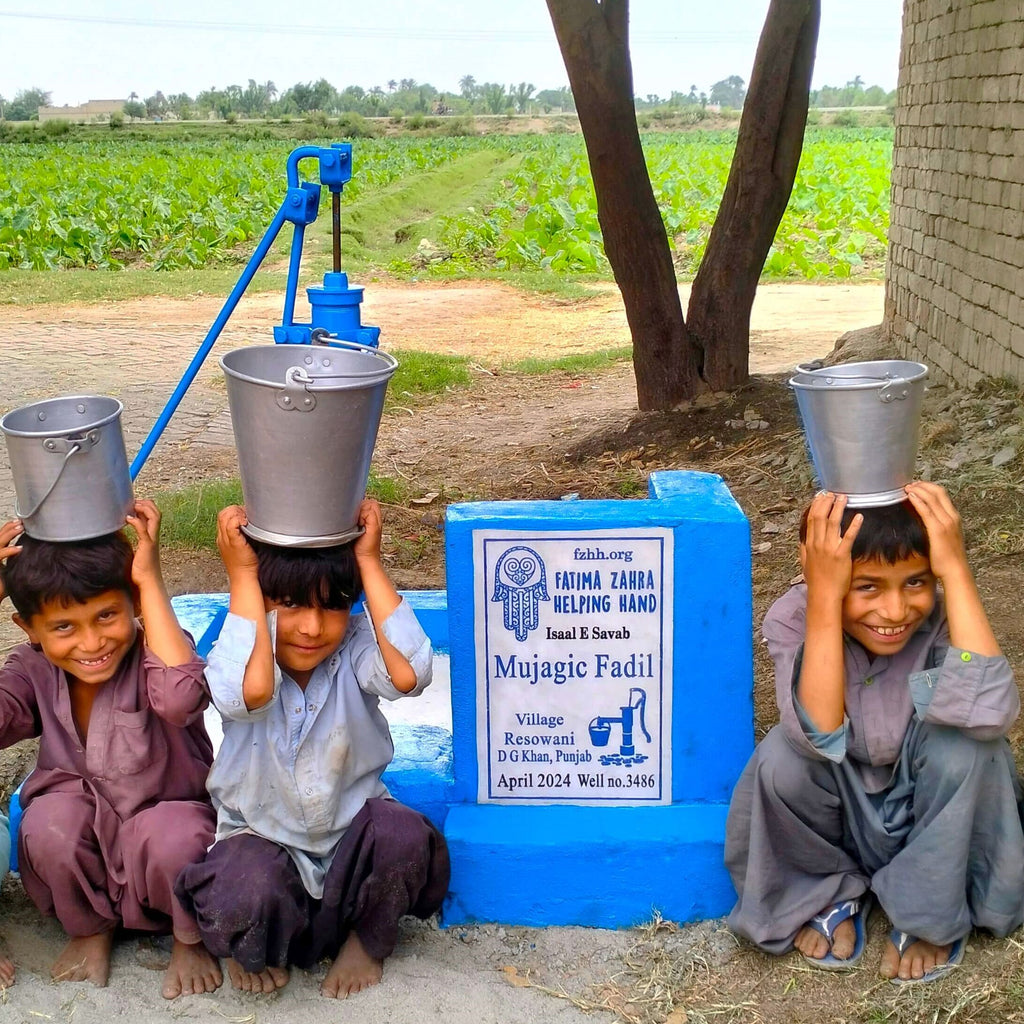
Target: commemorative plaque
<point x="574" y="664"/>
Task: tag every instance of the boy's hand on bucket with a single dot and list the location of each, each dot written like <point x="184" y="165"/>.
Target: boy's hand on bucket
<point x="367" y="545"/>
<point x="144" y="519"/>
<point x="9" y="532"/>
<point x="826" y="553"/>
<point x="946" y="551"/>
<point x="237" y="554"/>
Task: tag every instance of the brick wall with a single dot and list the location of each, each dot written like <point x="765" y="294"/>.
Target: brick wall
<point x="954" y="294"/>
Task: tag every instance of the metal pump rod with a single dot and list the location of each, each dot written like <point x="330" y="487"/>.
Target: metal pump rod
<point x="336" y="229"/>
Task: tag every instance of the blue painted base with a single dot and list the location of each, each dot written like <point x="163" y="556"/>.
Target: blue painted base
<point x="420" y="774"/>
<point x="608" y="867"/>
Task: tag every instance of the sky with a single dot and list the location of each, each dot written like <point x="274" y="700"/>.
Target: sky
<point x="106" y="49"/>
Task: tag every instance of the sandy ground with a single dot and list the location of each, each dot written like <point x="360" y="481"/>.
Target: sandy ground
<point x="137" y="350"/>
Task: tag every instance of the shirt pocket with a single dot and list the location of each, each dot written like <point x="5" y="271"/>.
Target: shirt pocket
<point x="137" y="741"/>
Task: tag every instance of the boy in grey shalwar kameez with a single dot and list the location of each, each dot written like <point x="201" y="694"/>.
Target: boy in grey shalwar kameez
<point x="889" y="773"/>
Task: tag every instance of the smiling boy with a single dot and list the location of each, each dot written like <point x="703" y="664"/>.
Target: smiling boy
<point x="116" y="804"/>
<point x="889" y="773"/>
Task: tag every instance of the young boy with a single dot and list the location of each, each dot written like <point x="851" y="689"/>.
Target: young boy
<point x="889" y="772"/>
<point x="312" y="858"/>
<point x="116" y="804"/>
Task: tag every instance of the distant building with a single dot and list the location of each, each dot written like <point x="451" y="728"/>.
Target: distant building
<point x="94" y="110"/>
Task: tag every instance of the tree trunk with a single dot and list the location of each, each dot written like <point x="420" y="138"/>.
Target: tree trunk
<point x="760" y="182"/>
<point x="594" y="40"/>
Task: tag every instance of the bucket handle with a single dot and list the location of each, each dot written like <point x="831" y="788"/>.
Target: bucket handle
<point x="895" y="391"/>
<point x="68" y="446"/>
<point x="295" y="396"/>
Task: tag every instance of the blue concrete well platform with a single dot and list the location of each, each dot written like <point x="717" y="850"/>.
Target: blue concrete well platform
<point x="607" y="867"/>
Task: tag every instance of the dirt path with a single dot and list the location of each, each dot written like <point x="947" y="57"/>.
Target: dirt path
<point x="486" y="322"/>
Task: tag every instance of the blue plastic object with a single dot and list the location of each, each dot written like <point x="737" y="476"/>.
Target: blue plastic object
<point x="14" y="822"/>
<point x="336" y="306"/>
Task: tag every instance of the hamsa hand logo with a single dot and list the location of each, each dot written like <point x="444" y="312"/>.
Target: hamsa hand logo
<point x="521" y="583"/>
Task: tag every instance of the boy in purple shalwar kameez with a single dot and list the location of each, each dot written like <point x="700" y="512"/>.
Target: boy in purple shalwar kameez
<point x="889" y="773"/>
<point x="116" y="804"/>
<point x="313" y="859"/>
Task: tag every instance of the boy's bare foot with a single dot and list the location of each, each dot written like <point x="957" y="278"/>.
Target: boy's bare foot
<point x="918" y="959"/>
<point x="813" y="944"/>
<point x="270" y="979"/>
<point x="6" y="973"/>
<point x="86" y="958"/>
<point x="192" y="970"/>
<point x="352" y="971"/>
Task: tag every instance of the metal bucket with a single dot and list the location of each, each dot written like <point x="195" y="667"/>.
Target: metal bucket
<point x="69" y="466"/>
<point x="305" y="419"/>
<point x="861" y="423"/>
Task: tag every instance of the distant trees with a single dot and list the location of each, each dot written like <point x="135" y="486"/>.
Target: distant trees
<point x="407" y="96"/>
<point x="853" y="94"/>
<point x="556" y="99"/>
<point x="156" y="105"/>
<point x="520" y="96"/>
<point x="729" y="92"/>
<point x="25" y="105"/>
<point x="494" y="97"/>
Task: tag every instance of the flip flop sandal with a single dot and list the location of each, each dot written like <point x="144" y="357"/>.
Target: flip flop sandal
<point x="902" y="940"/>
<point x="829" y="920"/>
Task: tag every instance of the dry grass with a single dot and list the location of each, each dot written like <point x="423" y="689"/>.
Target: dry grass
<point x="665" y="981"/>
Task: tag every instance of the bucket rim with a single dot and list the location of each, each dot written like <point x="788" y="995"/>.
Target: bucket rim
<point x="815" y="380"/>
<point x="51" y="431"/>
<point x="357" y="379"/>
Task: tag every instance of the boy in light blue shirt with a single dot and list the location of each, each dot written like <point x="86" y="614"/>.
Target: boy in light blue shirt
<point x="312" y="857"/>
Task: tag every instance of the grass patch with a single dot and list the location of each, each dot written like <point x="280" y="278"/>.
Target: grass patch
<point x="190" y="515"/>
<point x="423" y="374"/>
<point x="38" y="287"/>
<point x="585" y="362"/>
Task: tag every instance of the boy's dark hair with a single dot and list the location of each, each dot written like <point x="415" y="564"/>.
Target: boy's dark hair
<point x="325" y="578"/>
<point x="67" y="572"/>
<point x="890" y="533"/>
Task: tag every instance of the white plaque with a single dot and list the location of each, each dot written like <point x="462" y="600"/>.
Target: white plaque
<point x="574" y="666"/>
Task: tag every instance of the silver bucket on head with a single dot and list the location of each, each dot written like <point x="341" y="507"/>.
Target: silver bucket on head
<point x="861" y="423"/>
<point x="69" y="467"/>
<point x="305" y="419"/>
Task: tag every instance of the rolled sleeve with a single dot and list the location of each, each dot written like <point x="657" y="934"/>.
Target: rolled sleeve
<point x="403" y="631"/>
<point x="783" y="631"/>
<point x="831" y="745"/>
<point x="225" y="670"/>
<point x="176" y="692"/>
<point x="973" y="692"/>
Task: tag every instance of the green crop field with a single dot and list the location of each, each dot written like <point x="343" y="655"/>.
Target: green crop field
<point x="485" y="204"/>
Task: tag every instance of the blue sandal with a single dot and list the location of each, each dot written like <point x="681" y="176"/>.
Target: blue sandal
<point x="902" y="941"/>
<point x="829" y="920"/>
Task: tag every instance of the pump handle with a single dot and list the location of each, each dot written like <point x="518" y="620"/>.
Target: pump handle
<point x="640" y="705"/>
